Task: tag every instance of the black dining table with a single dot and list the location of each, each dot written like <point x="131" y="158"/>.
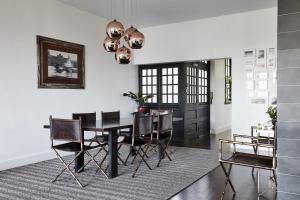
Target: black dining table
<point x="112" y="130"/>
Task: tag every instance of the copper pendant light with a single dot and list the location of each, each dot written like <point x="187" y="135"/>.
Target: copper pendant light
<point x="123" y="55"/>
<point x="128" y="33"/>
<point x="136" y="40"/>
<point x="111" y="44"/>
<point x="115" y="29"/>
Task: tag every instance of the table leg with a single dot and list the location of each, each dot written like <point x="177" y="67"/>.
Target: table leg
<point x="161" y="150"/>
<point x="113" y="154"/>
<point x="79" y="162"/>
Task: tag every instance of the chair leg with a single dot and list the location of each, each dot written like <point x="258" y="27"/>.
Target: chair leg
<point x="142" y="159"/>
<point x="144" y="152"/>
<point x="227" y="174"/>
<point x="99" y="166"/>
<point x="135" y="155"/>
<point x="164" y="153"/>
<point x="127" y="158"/>
<point x="67" y="167"/>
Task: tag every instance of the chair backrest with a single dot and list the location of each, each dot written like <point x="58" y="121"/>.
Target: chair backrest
<point x="142" y="125"/>
<point x="165" y="122"/>
<point x="66" y="130"/>
<point x="86" y="118"/>
<point x="110" y="117"/>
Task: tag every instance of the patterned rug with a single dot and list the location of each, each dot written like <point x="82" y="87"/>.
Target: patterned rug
<point x="34" y="181"/>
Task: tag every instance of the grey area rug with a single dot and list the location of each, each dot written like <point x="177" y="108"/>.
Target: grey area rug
<point x="33" y="181"/>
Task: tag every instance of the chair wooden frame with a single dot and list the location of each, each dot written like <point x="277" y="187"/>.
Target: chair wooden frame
<point x="83" y="149"/>
<point x="137" y="135"/>
<point x="163" y="143"/>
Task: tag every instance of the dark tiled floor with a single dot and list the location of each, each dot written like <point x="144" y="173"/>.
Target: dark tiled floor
<point x="211" y="186"/>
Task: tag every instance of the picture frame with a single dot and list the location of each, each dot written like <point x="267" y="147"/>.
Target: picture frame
<point x="61" y="64"/>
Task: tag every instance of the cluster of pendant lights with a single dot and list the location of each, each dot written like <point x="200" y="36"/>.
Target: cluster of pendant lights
<point x="112" y="43"/>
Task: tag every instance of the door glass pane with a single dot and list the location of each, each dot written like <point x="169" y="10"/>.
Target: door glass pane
<point x="154" y="98"/>
<point x="144" y="90"/>
<point x="175" y="98"/>
<point x="164" y="71"/>
<point x="154" y="81"/>
<point x="170" y="70"/>
<point x="170" y="99"/>
<point x="164" y="80"/>
<point x="175" y="89"/>
<point x="154" y="89"/>
<point x="164" y="89"/>
<point x="144" y="72"/>
<point x="175" y="70"/>
<point x="149" y="72"/>
<point x="170" y="81"/>
<point x="144" y="82"/>
<point x="175" y="81"/>
<point x="154" y="72"/>
<point x="170" y="89"/>
<point x="164" y="98"/>
<point x="149" y="81"/>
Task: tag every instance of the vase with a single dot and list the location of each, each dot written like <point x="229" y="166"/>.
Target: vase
<point x="141" y="109"/>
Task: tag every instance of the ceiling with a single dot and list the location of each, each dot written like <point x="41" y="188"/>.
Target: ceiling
<point x="158" y="12"/>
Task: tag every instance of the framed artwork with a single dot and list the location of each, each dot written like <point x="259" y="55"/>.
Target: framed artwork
<point x="60" y="64"/>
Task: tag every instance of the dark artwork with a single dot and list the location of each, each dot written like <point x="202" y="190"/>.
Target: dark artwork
<point x="61" y="64"/>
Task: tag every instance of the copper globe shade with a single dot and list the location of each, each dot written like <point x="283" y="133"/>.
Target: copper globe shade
<point x="123" y="55"/>
<point x="111" y="44"/>
<point x="128" y="33"/>
<point x="115" y="29"/>
<point x="136" y="40"/>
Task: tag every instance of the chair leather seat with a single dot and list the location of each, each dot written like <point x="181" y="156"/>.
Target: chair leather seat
<point x="73" y="147"/>
<point x="137" y="141"/>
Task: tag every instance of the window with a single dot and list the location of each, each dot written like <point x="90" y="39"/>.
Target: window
<point x="228" y="81"/>
<point x="197" y="85"/>
<point x="169" y="85"/>
<point x="149" y="84"/>
<point x="191" y="79"/>
<point x="202" y="86"/>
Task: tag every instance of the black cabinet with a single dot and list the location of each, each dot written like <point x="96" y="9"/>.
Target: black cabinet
<point x="183" y="87"/>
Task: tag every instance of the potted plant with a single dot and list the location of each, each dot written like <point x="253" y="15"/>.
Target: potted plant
<point x="139" y="99"/>
<point x="272" y="112"/>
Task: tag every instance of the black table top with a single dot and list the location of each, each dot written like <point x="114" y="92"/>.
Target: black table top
<point x="123" y="123"/>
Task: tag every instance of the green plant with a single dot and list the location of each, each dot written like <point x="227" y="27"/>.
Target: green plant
<point x="138" y="98"/>
<point x="272" y="112"/>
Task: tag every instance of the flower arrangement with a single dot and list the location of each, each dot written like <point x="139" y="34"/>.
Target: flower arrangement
<point x="139" y="99"/>
<point x="272" y="112"/>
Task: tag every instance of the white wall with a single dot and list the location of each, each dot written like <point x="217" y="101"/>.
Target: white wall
<point x="220" y="113"/>
<point x="218" y="37"/>
<point x="24" y="108"/>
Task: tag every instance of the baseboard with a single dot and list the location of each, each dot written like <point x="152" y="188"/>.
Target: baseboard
<point x="220" y="129"/>
<point x="26" y="160"/>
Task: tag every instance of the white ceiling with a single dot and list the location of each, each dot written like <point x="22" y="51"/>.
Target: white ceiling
<point x="158" y="12"/>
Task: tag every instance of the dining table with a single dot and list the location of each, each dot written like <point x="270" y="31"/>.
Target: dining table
<point x="112" y="128"/>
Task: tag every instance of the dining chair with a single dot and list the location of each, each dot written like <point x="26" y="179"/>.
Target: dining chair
<point x="142" y="126"/>
<point x="98" y="139"/>
<point x="163" y="132"/>
<point x="70" y="132"/>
